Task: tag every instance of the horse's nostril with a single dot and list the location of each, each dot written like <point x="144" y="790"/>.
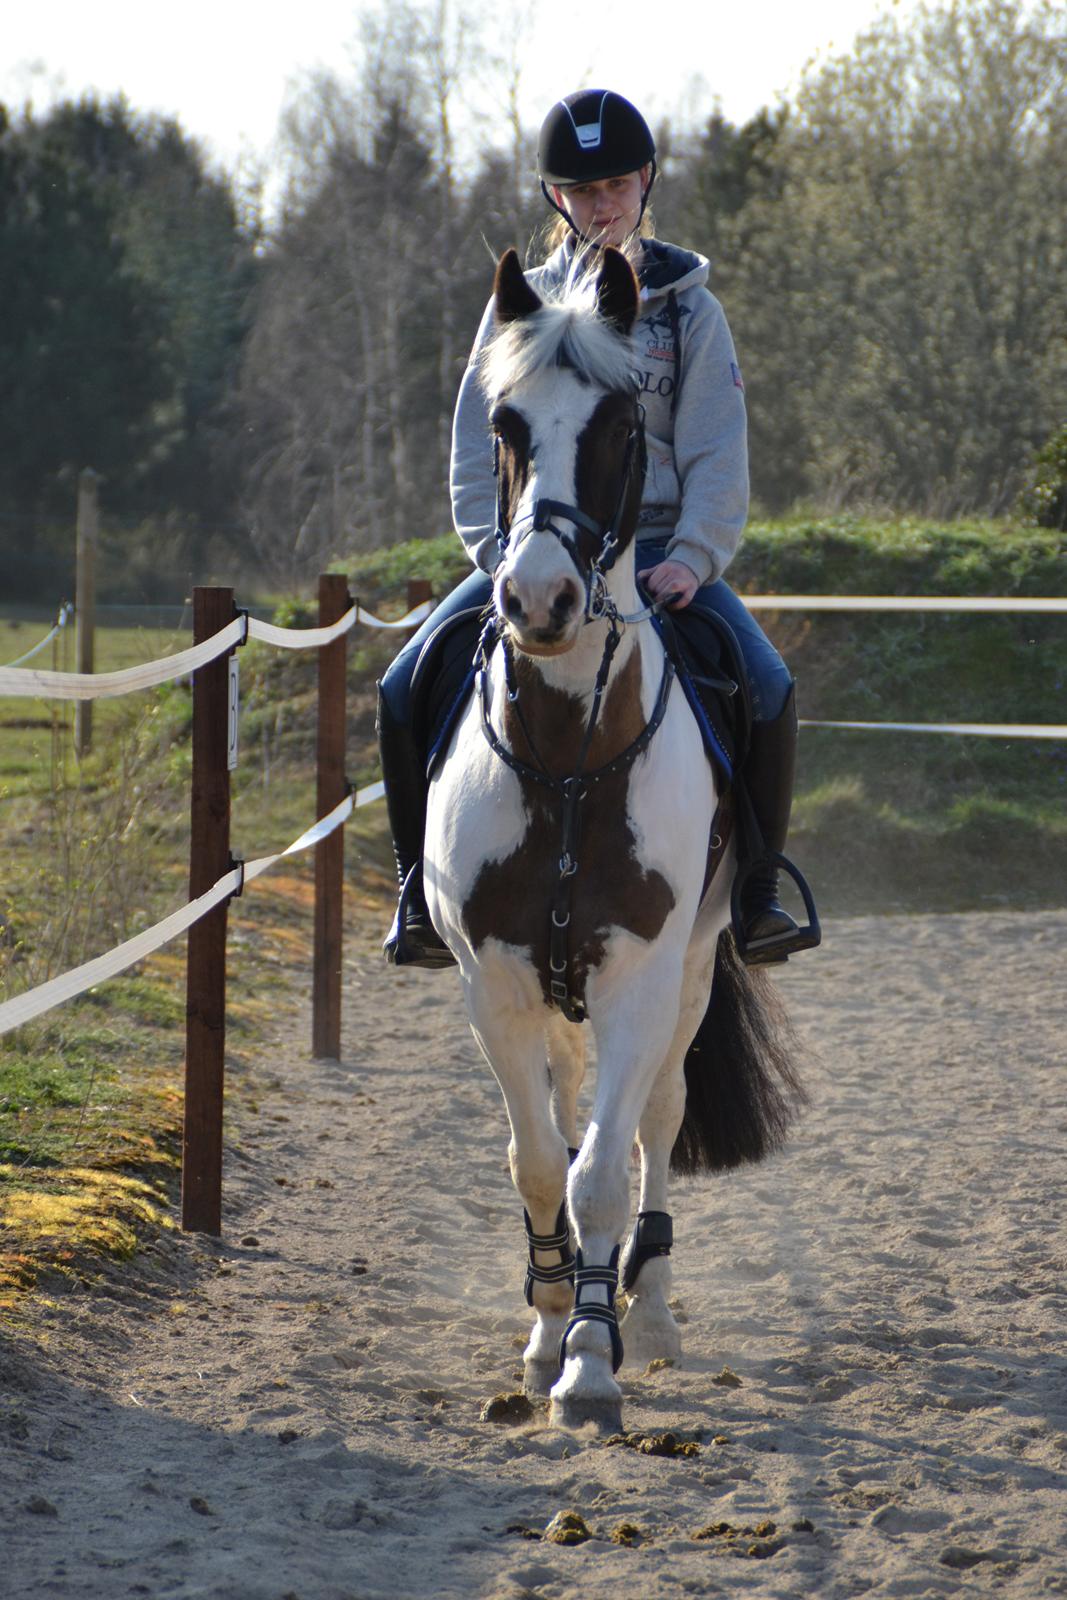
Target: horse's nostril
<point x="512" y="604"/>
<point x="563" y="605"/>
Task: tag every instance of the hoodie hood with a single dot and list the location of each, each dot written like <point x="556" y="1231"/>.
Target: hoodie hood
<point x="663" y="267"/>
<point x="668" y="266"/>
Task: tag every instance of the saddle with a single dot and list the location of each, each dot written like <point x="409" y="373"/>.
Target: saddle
<point x="710" y="670"/>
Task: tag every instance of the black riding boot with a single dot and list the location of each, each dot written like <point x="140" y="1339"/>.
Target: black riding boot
<point x="768" y="932"/>
<point x="412" y="940"/>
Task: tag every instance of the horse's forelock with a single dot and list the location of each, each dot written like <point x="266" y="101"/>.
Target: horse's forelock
<point x="567" y="332"/>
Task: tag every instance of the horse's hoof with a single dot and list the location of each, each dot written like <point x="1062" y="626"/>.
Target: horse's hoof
<point x="650" y="1339"/>
<point x="578" y="1411"/>
<point x="539" y="1376"/>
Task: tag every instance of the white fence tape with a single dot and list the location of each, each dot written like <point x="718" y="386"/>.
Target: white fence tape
<point x="314" y="638"/>
<point x="992" y="730"/>
<point x="66" y="611"/>
<point x="1036" y="604"/>
<point x="24" y="1007"/>
<point x="26" y="682"/>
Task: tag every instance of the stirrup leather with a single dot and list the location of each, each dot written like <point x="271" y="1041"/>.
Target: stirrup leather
<point x="609" y="1277"/>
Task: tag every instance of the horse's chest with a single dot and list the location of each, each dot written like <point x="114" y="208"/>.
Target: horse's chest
<point x="512" y="897"/>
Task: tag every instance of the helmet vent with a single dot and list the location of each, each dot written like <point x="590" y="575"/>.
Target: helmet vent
<point x="589" y="134"/>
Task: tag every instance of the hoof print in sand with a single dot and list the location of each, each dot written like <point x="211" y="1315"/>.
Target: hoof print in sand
<point x="510" y="1409"/>
<point x="567" y="1527"/>
<point x="959" y="1556"/>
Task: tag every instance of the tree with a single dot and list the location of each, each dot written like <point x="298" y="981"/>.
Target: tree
<point x="81" y="369"/>
<point x="129" y="277"/>
<point x="898" y="290"/>
<point x="366" y="307"/>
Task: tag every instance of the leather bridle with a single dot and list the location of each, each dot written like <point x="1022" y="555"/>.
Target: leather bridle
<point x="598" y="603"/>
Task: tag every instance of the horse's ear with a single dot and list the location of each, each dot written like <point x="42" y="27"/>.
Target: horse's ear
<point x="513" y="295"/>
<point x="617" y="292"/>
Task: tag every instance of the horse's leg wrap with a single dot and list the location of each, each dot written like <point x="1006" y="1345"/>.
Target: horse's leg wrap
<point x="561" y="1241"/>
<point x="653" y="1236"/>
<point x="583" y="1311"/>
<point x="563" y="1271"/>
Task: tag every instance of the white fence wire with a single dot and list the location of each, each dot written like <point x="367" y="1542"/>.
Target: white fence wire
<point x="29" y="682"/>
<point x="66" y="612"/>
<point x="20" y="681"/>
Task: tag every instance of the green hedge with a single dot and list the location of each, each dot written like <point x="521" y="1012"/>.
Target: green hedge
<point x="884" y="820"/>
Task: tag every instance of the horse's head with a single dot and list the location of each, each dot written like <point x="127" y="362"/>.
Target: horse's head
<point x="559" y="376"/>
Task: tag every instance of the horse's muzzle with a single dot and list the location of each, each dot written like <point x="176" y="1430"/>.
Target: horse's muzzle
<point x="542" y="620"/>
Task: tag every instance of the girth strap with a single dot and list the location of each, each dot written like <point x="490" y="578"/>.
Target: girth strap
<point x="653" y="1236"/>
<point x="585" y="1277"/>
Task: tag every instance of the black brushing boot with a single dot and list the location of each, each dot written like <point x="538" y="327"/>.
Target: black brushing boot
<point x="766" y="931"/>
<point x="412" y="940"/>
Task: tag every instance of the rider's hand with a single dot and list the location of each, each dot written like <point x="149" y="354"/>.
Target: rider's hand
<point x="671" y="577"/>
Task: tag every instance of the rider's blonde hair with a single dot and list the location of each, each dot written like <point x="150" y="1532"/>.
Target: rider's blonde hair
<point x="557" y="228"/>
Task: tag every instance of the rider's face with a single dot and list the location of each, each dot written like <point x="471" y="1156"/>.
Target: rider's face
<point x="607" y="210"/>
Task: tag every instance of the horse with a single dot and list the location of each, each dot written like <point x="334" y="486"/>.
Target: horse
<point x="570" y="826"/>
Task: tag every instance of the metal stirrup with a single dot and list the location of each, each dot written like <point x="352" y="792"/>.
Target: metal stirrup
<point x="609" y="1277"/>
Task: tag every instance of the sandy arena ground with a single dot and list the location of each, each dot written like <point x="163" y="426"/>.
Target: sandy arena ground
<point x="295" y="1412"/>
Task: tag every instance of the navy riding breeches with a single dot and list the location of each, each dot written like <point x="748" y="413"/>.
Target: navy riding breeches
<point x="769" y="679"/>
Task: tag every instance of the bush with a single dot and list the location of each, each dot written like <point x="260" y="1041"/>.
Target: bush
<point x="1045" y="501"/>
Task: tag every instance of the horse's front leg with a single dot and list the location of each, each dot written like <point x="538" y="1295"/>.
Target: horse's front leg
<point x="512" y="1039"/>
<point x="566" y="1069"/>
<point x="649" y="1329"/>
<point x="634" y="1023"/>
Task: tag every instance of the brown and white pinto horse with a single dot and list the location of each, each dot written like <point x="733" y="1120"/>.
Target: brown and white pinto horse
<point x="566" y="852"/>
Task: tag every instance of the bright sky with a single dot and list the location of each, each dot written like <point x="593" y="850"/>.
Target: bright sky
<point x="225" y="68"/>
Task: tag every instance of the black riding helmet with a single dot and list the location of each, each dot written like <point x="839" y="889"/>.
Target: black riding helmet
<point x="591" y="135"/>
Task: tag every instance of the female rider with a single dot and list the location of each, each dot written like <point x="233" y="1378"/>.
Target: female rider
<point x="597" y="163"/>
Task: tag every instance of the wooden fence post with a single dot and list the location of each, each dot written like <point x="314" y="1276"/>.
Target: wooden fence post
<point x="85" y="598"/>
<point x="209" y="860"/>
<point x="334" y="601"/>
<point x="419" y="589"/>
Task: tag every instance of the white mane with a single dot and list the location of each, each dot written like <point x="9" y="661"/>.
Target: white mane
<point x="566" y="331"/>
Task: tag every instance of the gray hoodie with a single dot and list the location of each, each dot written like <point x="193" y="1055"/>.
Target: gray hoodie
<point x="696" y="491"/>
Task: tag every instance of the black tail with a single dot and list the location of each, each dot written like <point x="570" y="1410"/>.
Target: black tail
<point x="742" y="1093"/>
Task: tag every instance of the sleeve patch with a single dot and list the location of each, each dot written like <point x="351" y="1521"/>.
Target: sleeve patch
<point x="735" y="370"/>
